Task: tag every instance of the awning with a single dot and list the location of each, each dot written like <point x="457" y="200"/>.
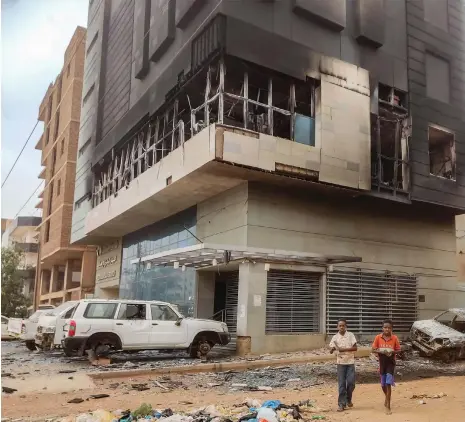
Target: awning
<point x="206" y="255"/>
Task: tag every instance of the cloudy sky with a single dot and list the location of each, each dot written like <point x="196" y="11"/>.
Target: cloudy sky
<point x="35" y="34"/>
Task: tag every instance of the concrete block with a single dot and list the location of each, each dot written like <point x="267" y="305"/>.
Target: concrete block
<point x="267" y="142"/>
<point x="283" y="146"/>
<point x="338" y="176"/>
<point x="266" y="160"/>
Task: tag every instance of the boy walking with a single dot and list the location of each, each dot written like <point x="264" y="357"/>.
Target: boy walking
<point x="345" y="345"/>
<point x="386" y="345"/>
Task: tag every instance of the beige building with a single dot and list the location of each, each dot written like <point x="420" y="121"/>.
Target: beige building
<point x="21" y="235"/>
<point x="66" y="272"/>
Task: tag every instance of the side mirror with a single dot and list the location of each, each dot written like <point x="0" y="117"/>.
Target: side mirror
<point x="178" y="322"/>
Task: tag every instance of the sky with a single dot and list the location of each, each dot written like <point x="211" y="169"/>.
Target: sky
<point x="34" y="36"/>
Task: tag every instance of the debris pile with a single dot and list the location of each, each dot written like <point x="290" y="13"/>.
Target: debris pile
<point x="251" y="410"/>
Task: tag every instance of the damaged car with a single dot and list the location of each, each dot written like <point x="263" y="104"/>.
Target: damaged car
<point x="442" y="337"/>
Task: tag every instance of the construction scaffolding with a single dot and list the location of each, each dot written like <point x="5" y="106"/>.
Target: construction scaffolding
<point x="251" y="98"/>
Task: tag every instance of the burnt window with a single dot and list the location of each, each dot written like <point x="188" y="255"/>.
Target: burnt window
<point x="421" y="298"/>
<point x="58" y="187"/>
<point x="441" y="147"/>
<point x="62" y="147"/>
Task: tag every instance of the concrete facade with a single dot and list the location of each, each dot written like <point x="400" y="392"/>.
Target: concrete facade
<point x="345" y="70"/>
<point x="65" y="272"/>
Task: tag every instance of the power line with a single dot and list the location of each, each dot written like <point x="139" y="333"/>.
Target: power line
<point x="40" y="184"/>
<point x="19" y="155"/>
<point x="37" y="122"/>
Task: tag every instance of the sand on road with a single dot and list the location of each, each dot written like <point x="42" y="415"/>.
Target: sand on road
<point x="368" y="400"/>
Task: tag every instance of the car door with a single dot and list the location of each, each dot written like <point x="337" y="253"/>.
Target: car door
<point x="165" y="331"/>
<point x="132" y="325"/>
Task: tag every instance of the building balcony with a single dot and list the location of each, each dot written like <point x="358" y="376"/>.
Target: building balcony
<point x="42" y="173"/>
<point x="254" y="126"/>
<point x="27" y="247"/>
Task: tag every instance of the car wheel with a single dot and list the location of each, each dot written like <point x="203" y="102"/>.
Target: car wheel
<point x="68" y="353"/>
<point x="31" y="345"/>
<point x="194" y="352"/>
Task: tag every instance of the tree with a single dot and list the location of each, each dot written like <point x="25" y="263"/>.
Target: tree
<point x="14" y="302"/>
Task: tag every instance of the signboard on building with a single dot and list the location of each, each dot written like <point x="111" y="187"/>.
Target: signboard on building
<point x="109" y="264"/>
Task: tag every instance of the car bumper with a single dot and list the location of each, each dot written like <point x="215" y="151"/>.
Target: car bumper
<point x="224" y="338"/>
<point x="73" y="343"/>
<point x="427" y="351"/>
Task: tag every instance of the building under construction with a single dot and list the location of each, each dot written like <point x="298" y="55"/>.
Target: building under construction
<point x="275" y="164"/>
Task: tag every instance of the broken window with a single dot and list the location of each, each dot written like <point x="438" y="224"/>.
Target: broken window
<point x="390" y="131"/>
<point x="227" y="91"/>
<point x="441" y="152"/>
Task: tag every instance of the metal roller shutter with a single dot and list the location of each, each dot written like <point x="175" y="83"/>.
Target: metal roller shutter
<point x="292" y="302"/>
<point x="232" y="291"/>
<point x="365" y="298"/>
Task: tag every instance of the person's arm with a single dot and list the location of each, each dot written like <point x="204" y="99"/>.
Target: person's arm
<point x="375" y="346"/>
<point x="354" y="345"/>
<point x="332" y="345"/>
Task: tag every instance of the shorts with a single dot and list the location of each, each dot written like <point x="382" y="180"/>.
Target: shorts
<point x="387" y="379"/>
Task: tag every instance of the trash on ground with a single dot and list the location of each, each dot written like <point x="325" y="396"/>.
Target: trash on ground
<point x="251" y="410"/>
<point x="428" y="396"/>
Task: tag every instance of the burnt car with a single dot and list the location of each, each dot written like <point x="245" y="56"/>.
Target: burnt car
<point x="442" y="337"/>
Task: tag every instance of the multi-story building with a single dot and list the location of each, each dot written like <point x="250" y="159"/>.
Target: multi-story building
<point x="20" y="234"/>
<point x="280" y="164"/>
<point x="66" y="271"/>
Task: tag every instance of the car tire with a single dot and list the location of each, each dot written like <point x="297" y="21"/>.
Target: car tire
<point x="68" y="353"/>
<point x="194" y="352"/>
<point x="31" y="345"/>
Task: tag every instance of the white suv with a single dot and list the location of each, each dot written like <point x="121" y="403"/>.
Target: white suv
<point x="104" y="325"/>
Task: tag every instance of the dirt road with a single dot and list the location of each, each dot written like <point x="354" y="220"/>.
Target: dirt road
<point x="43" y="389"/>
<point x="368" y="400"/>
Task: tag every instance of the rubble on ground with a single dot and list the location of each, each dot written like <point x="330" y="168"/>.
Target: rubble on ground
<point x="251" y="410"/>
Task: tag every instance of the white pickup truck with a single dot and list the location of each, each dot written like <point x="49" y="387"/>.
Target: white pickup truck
<point x="25" y="329"/>
<point x="50" y="333"/>
<point x="102" y="326"/>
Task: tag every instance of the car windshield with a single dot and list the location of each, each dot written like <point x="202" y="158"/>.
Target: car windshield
<point x="35" y="315"/>
<point x="58" y="310"/>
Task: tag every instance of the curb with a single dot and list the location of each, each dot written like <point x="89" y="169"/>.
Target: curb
<point x="223" y="367"/>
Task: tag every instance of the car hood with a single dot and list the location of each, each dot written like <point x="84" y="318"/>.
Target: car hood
<point x="211" y="321"/>
<point x="47" y="321"/>
<point x="437" y="330"/>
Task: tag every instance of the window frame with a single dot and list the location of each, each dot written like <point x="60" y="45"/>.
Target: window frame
<point x="86" y="311"/>
<point x="126" y="304"/>
<point x="159" y="305"/>
<point x="452" y="150"/>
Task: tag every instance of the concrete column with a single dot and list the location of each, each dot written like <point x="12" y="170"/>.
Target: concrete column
<point x="88" y="267"/>
<point x="44" y="289"/>
<point x="205" y="294"/>
<point x="54" y="279"/>
<point x="68" y="275"/>
<point x="251" y="307"/>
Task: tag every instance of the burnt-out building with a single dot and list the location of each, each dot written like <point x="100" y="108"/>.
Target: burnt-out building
<point x="277" y="164"/>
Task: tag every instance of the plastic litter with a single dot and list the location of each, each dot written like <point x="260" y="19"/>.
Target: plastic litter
<point x="250" y="410"/>
<point x="267" y="414"/>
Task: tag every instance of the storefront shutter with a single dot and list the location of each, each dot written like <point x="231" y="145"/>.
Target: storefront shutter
<point x="365" y="298"/>
<point x="293" y="302"/>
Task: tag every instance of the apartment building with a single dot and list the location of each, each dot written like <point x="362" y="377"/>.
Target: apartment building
<point x="66" y="272"/>
<point x="276" y="164"/>
<point x="20" y="234"/>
